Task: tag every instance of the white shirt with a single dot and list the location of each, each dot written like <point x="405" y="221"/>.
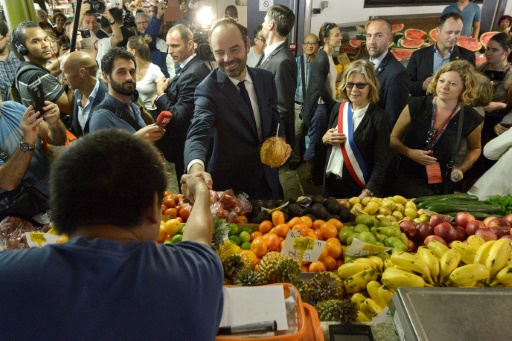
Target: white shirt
<point x="253" y="58"/>
<point x="269" y="49"/>
<point x="83" y="113"/>
<point x="379" y="59"/>
<point x="103" y="47"/>
<point x="147" y="85"/>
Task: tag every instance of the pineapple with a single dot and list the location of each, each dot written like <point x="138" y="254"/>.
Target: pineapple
<point x="249" y="278"/>
<point x="234" y="263"/>
<point x="326" y="285"/>
<point x="342" y="311"/>
<point x="269" y="265"/>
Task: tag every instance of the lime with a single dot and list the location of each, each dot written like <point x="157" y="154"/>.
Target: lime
<point x="236" y="239"/>
<point x="246" y="245"/>
<point x="177" y="238"/>
<point x="248" y="229"/>
<point x="245" y="236"/>
<point x="233" y="229"/>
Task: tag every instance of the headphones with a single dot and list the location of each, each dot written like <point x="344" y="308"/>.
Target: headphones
<point x="22" y="49"/>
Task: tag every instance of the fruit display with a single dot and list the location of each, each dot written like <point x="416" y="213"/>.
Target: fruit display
<point x="412" y="43"/>
<point x="413" y="33"/>
<point x="401" y="53"/>
<point x="485" y="37"/>
<point x="12" y="233"/>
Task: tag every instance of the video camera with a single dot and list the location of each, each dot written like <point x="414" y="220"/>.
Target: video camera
<point x="97" y="6"/>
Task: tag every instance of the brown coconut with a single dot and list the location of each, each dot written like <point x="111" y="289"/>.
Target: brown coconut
<point x="273" y="151"/>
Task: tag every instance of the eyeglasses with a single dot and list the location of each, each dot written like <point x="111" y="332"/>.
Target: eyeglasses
<point x="310" y="44"/>
<point x="142" y="23"/>
<point x="430" y="136"/>
<point x="360" y="86"/>
<point x="262" y="39"/>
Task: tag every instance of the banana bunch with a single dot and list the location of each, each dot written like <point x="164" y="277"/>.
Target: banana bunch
<point x="495" y="255"/>
<point x="367" y="307"/>
<point x="359" y="272"/>
<point x="379" y="293"/>
<point x="413" y="264"/>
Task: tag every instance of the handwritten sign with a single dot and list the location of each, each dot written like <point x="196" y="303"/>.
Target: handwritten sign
<point x="359" y="248"/>
<point x="40" y="239"/>
<point x="301" y="248"/>
<point x="265" y="4"/>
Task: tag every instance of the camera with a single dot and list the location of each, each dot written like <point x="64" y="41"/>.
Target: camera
<point x="85" y="32"/>
<point x="97" y="6"/>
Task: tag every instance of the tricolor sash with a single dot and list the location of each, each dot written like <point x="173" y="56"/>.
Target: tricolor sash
<point x="351" y="156"/>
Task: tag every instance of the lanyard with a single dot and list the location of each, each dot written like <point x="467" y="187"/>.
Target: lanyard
<point x="440" y="132"/>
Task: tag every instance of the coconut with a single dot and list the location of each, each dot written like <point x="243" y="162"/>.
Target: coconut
<point x="273" y="151"/>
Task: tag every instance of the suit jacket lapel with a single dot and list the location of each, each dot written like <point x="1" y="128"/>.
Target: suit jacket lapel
<point x="232" y="94"/>
<point x="262" y="65"/>
<point x="455" y="54"/>
<point x="429" y="62"/>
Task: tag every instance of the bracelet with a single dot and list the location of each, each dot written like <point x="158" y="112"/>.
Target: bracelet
<point x="367" y="191"/>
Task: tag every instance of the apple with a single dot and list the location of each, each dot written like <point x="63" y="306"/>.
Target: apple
<point x="437" y="219"/>
<point x="500" y="231"/>
<point x="413" y="247"/>
<point x="474" y="225"/>
<point x="461" y="233"/>
<point x="463" y="218"/>
<point x="508" y="218"/>
<point x="434" y="237"/>
<point x="424" y="230"/>
<point x="486" y="234"/>
<point x="407" y="227"/>
<point x="498" y="222"/>
<point x="488" y="219"/>
<point x="446" y="231"/>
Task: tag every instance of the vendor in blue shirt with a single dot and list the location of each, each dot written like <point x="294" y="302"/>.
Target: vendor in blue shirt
<point x="470" y="13"/>
<point x="117" y="110"/>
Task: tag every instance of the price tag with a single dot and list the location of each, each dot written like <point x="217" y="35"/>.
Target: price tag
<point x="302" y="248"/>
<point x="343" y="59"/>
<point x="359" y="248"/>
<point x="53" y="231"/>
<point x="40" y="239"/>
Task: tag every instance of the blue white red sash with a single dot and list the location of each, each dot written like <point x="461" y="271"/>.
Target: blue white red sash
<point x="351" y="156"/>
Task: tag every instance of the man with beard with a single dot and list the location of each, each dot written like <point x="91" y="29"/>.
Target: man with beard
<point x="117" y="110"/>
<point x="9" y="63"/>
<point x="425" y="62"/>
<point x="235" y="111"/>
<point x="392" y="75"/>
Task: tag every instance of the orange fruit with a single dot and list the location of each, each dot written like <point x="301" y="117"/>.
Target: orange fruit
<point x="161" y="235"/>
<point x="256" y="234"/>
<point x="328" y="230"/>
<point x="333" y="249"/>
<point x="304" y="268"/>
<point x="272" y="241"/>
<point x="323" y="253"/>
<point x="307" y="220"/>
<point x="312" y="234"/>
<point x="259" y="247"/>
<point x="277" y="218"/>
<point x="282" y="230"/>
<point x="265" y="226"/>
<point x="319" y="234"/>
<point x="336" y="223"/>
<point x="339" y="263"/>
<point x="317" y="224"/>
<point x="317" y="266"/>
<point x="302" y="228"/>
<point x="241" y="219"/>
<point x="294" y="221"/>
<point x="329" y="262"/>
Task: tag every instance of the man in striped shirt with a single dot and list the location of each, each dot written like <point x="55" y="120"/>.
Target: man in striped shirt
<point x="8" y="61"/>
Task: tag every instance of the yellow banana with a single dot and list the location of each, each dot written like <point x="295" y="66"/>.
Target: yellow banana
<point x="349" y="269"/>
<point x="505" y="275"/>
<point x="468" y="275"/>
<point x="475" y="242"/>
<point x="388" y="263"/>
<point x="395" y="277"/>
<point x="378" y="262"/>
<point x="358" y="282"/>
<point x="370" y="308"/>
<point x="429" y="258"/>
<point x="467" y="253"/>
<point x="510" y="259"/>
<point x="361" y="317"/>
<point x="373" y="290"/>
<point x="483" y="252"/>
<point x="437" y="248"/>
<point x="357" y="299"/>
<point x="385" y="294"/>
<point x="412" y="264"/>
<point x="498" y="256"/>
<point x="368" y="261"/>
<point x="448" y="262"/>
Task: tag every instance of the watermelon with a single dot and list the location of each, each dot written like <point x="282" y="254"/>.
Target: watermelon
<point x="413" y="33"/>
<point x="484" y="38"/>
<point x="469" y="43"/>
<point x="401" y="53"/>
<point x="479" y="60"/>
<point x="356" y="42"/>
<point x="411" y="43"/>
<point x="433" y="34"/>
<point x="396" y="28"/>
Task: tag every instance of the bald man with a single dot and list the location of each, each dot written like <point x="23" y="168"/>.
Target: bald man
<point x="79" y="71"/>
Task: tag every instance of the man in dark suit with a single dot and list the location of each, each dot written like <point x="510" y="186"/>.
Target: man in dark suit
<point x="392" y="75"/>
<point x="425" y="62"/>
<point x="79" y="71"/>
<point x="235" y="110"/>
<point x="278" y="59"/>
<point x="177" y="95"/>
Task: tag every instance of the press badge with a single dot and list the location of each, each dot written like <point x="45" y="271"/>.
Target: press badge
<point x="434" y="173"/>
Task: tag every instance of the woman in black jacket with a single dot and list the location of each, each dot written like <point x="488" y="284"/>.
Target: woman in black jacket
<point x="358" y="139"/>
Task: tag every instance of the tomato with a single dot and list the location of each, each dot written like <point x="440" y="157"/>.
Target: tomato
<point x="173" y="212"/>
<point x="184" y="213"/>
<point x="163" y="209"/>
<point x="241" y="219"/>
<point x="169" y="202"/>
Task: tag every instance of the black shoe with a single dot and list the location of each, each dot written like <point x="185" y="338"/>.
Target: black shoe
<point x="293" y="165"/>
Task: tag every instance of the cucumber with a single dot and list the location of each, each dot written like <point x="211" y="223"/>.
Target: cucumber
<point x="455" y="202"/>
<point x="462" y="200"/>
<point x="443" y="197"/>
<point x="448" y="207"/>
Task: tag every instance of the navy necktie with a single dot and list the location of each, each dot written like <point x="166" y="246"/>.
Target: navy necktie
<point x="245" y="96"/>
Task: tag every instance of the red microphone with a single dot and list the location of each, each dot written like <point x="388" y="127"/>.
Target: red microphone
<point x="164" y="118"/>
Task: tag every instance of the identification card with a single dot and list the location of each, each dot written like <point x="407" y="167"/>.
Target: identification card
<point x="434" y="173"/>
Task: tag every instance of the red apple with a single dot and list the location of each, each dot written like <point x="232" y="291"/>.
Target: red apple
<point x="461" y="233"/>
<point x="407" y="227"/>
<point x="413" y="247"/>
<point x="434" y="237"/>
<point x="424" y="230"/>
<point x="488" y="219"/>
<point x="486" y="234"/>
<point x="445" y="231"/>
<point x="508" y="218"/>
<point x="498" y="222"/>
<point x="463" y="218"/>
<point x="474" y="225"/>
<point x="437" y="219"/>
<point x="500" y="231"/>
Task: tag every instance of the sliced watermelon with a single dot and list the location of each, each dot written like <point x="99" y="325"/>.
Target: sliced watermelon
<point x="396" y="28"/>
<point x="484" y="38"/>
<point x="413" y="33"/>
<point x="401" y="53"/>
<point x="356" y="42"/>
<point x="479" y="60"/>
<point x="412" y="43"/>
<point x="470" y="44"/>
<point x="433" y="34"/>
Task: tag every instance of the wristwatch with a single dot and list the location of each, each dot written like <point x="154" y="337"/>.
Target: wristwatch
<point x="367" y="191"/>
<point x="25" y="147"/>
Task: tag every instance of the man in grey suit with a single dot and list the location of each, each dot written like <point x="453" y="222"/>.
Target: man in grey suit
<point x="278" y="59"/>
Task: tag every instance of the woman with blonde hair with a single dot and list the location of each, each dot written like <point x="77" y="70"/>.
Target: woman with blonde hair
<point x="148" y="74"/>
<point x="358" y="139"/>
<point x="429" y="131"/>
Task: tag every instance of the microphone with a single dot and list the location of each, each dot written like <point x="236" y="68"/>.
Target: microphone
<point x="164" y="118"/>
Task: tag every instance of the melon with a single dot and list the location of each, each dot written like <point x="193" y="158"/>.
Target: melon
<point x="401" y="53"/>
<point x="413" y="33"/>
<point x="433" y="34"/>
<point x="479" y="60"/>
<point x="396" y="28"/>
<point x="484" y="38"/>
<point x="411" y="43"/>
<point x="469" y="43"/>
<point x="356" y="42"/>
